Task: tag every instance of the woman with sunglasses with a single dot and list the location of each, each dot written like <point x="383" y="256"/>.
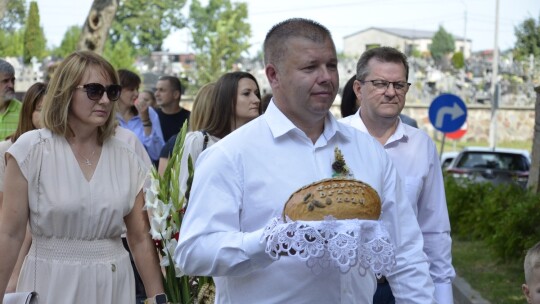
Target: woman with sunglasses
<point x="80" y="187"/>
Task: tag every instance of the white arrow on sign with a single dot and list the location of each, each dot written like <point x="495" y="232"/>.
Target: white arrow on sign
<point x="456" y="111"/>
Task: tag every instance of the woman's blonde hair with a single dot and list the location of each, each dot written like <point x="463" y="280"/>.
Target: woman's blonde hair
<point x="67" y="77"/>
<point x="202" y="107"/>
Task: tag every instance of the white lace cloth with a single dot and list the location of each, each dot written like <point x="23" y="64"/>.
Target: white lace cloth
<point x="331" y="242"/>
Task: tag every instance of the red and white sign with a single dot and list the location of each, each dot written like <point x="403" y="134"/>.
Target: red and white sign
<point x="459" y="133"/>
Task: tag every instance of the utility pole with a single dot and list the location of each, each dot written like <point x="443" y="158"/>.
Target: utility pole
<point x="495" y="91"/>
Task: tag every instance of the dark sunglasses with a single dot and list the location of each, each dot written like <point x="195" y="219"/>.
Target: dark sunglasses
<point x="95" y="91"/>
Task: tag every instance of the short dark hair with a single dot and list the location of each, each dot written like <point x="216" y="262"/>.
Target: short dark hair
<point x="382" y="54"/>
<point x="274" y="43"/>
<point x="348" y="98"/>
<point x="176" y="84"/>
<point x="128" y="79"/>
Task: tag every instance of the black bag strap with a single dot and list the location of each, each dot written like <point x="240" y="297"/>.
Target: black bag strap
<point x="205" y="142"/>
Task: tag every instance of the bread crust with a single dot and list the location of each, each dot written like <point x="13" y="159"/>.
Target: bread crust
<point x="342" y="198"/>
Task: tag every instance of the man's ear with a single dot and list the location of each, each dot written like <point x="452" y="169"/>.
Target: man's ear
<point x="177" y="95"/>
<point x="526" y="292"/>
<point x="357" y="88"/>
<point x="272" y="75"/>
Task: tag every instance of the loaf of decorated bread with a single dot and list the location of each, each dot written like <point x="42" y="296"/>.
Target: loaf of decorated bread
<point x="340" y="197"/>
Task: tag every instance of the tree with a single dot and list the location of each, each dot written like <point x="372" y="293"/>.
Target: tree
<point x="220" y="35"/>
<point x="34" y="38"/>
<point x="120" y="54"/>
<point x="11" y="44"/>
<point x="527" y="39"/>
<point x="442" y="44"/>
<point x="97" y="25"/>
<point x="12" y="14"/>
<point x="69" y="42"/>
<point x="145" y="24"/>
<point x="458" y="60"/>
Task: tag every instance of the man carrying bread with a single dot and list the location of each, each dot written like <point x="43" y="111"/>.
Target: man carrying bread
<point x="381" y="86"/>
<point x="243" y="182"/>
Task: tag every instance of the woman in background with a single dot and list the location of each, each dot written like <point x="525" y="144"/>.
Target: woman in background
<point x="29" y="119"/>
<point x="236" y="101"/>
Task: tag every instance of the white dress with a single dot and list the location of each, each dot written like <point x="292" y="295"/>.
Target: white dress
<point x="76" y="224"/>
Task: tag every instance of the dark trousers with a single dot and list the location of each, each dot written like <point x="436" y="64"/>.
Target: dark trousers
<point x="139" y="286"/>
<point x="383" y="295"/>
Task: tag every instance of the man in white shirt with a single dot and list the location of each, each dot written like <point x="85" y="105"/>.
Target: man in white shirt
<point x="381" y="86"/>
<point x="242" y="183"/>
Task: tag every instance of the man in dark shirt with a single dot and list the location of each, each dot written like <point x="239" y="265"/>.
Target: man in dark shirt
<point x="171" y="114"/>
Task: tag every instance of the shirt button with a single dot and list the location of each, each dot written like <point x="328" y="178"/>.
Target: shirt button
<point x="113" y="267"/>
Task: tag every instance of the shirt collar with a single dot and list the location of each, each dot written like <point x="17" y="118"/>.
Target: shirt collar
<point x="400" y="135"/>
<point x="280" y="125"/>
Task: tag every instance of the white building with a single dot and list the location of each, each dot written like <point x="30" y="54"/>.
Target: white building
<point x="403" y="39"/>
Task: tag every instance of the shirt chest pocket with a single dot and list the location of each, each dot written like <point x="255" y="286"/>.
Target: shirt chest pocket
<point x="413" y="187"/>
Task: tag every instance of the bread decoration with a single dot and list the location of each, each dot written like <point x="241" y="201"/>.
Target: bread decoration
<point x="340" y="196"/>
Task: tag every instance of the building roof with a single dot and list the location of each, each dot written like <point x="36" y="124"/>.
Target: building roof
<point x="405" y="33"/>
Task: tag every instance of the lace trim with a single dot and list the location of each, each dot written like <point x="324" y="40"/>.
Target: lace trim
<point x="339" y="243"/>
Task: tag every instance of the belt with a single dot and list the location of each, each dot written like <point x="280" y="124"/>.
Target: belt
<point x="382" y="280"/>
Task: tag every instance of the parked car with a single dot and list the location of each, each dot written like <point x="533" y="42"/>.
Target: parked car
<point x="496" y="166"/>
<point x="447" y="158"/>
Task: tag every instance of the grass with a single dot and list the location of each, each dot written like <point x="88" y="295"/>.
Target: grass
<point x="498" y="282"/>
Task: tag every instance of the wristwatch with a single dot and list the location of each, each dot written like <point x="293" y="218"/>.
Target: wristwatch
<point x="157" y="299"/>
<point x="160" y="298"/>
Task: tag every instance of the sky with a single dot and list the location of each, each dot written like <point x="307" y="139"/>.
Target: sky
<point x="472" y="19"/>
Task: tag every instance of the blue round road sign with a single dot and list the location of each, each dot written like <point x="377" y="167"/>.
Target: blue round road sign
<point x="447" y="113"/>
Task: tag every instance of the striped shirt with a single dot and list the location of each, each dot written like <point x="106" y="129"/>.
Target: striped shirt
<point x="10" y="118"/>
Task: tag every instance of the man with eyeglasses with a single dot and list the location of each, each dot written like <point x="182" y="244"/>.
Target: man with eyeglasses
<point x="381" y="86"/>
<point x="9" y="106"/>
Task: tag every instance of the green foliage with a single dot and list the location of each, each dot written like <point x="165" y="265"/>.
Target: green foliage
<point x="120" y="55"/>
<point x="69" y="42"/>
<point x="11" y="44"/>
<point x="34" y="38"/>
<point x="458" y="60"/>
<point x="527" y="39"/>
<point x="13" y="18"/>
<point x="505" y="217"/>
<point x="221" y="34"/>
<point x="145" y="24"/>
<point x="442" y="44"/>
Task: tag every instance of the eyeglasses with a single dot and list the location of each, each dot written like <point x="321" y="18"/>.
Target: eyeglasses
<point x="95" y="91"/>
<point x="399" y="86"/>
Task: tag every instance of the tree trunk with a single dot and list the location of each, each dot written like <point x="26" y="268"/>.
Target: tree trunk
<point x="97" y="25"/>
<point x="534" y="173"/>
<point x="3" y="8"/>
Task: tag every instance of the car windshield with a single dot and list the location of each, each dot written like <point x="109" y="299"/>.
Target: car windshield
<point x="493" y="160"/>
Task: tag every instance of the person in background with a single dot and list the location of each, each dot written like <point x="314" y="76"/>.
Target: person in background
<point x="242" y="182"/>
<point x="77" y="217"/>
<point x="350" y="104"/>
<point x="381" y="87"/>
<point x="171" y="114"/>
<point x="531" y="265"/>
<point x="148" y="98"/>
<point x="139" y="118"/>
<point x="236" y="101"/>
<point x="29" y="120"/>
<point x="198" y="119"/>
<point x="9" y="106"/>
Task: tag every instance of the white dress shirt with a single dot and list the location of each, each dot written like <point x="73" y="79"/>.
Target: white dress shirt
<point x="415" y="157"/>
<point x="244" y="180"/>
